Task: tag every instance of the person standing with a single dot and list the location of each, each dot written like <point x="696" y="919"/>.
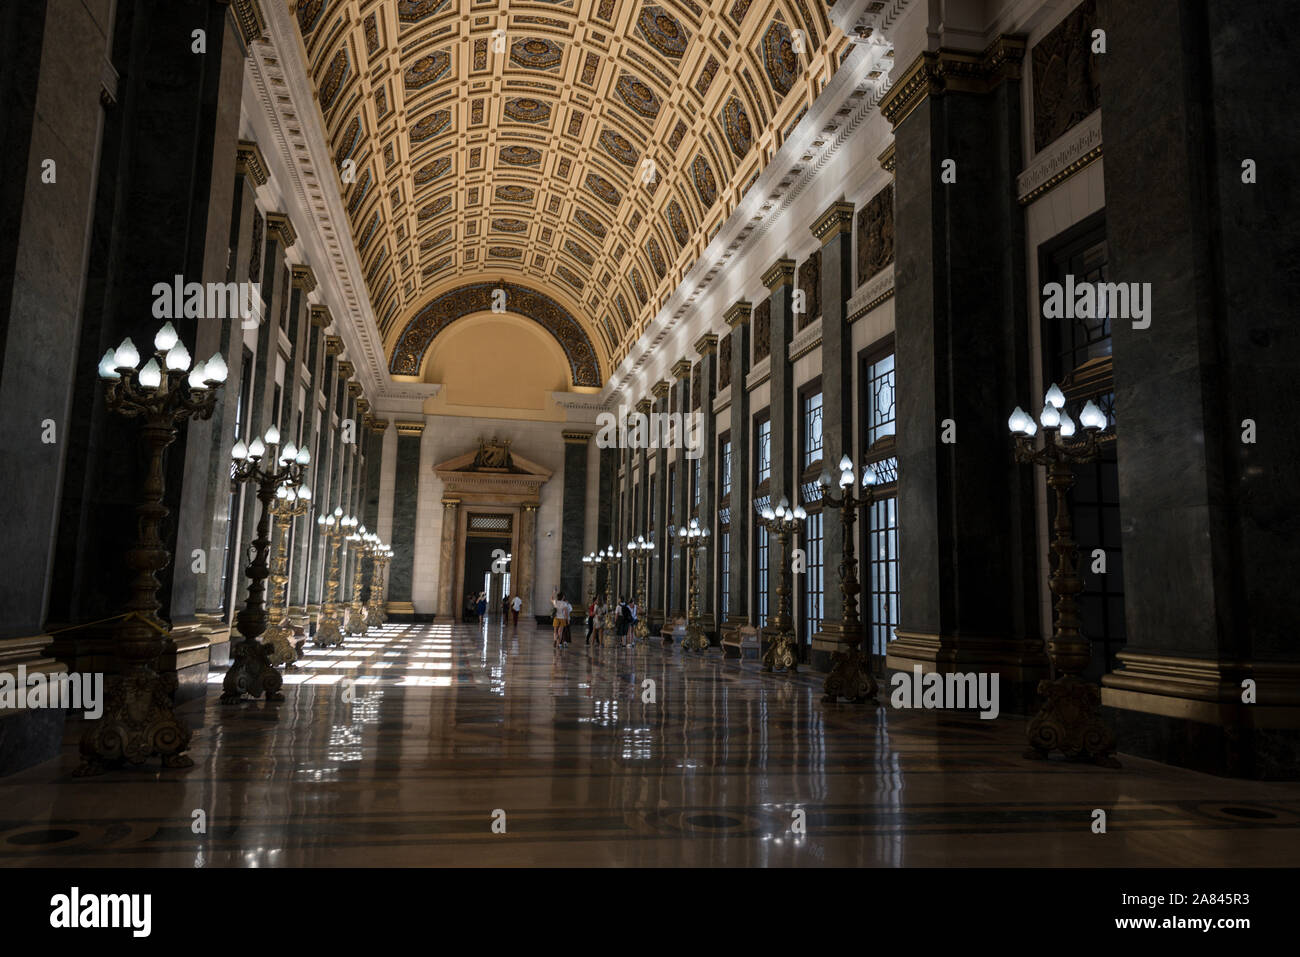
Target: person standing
<point x="505" y="608"/>
<point x="600" y="612"/>
<point x="560" y="622"/>
<point x="632" y="612"/>
<point x="481" y="608"/>
<point x="515" y="607"/>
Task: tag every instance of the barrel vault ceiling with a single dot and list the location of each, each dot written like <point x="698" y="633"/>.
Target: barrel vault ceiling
<point x="516" y="140"/>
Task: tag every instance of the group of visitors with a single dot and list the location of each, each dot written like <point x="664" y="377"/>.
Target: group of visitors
<point x="625" y="619"/>
<point x="478" y="605"/>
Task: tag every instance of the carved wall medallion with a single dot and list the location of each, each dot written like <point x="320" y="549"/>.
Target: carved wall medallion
<point x="876" y="234"/>
<point x="1066" y="78"/>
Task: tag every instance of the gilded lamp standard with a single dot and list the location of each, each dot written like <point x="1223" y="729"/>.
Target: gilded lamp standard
<point x="693" y="539"/>
<point x="138" y="721"/>
<point x="589" y="562"/>
<point x="640" y="551"/>
<point x="611" y="560"/>
<point x="784" y="522"/>
<point x="850" y="675"/>
<point x="359" y="539"/>
<point x="251" y="671"/>
<point x="288" y="505"/>
<point x="1069" y="720"/>
<point x="375" y="612"/>
<point x="327" y="620"/>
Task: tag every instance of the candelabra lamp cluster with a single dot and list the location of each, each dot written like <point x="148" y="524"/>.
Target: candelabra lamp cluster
<point x="1069" y="719"/>
<point x="335" y="527"/>
<point x="377" y="606"/>
<point x="362" y="542"/>
<point x="138" y="721"/>
<point x="850" y="675"/>
<point x="784" y="522"/>
<point x="288" y="504"/>
<point x="693" y="539"/>
<point x="251" y="670"/>
<point x="611" y="560"/>
<point x="640" y="551"/>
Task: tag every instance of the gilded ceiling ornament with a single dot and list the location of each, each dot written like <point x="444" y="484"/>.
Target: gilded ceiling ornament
<point x="738" y="11"/>
<point x="603" y="189"/>
<point x="513" y="193"/>
<point x="590" y="223"/>
<point x="309" y="12"/>
<point x="656" y="257"/>
<point x="509" y="226"/>
<point x="779" y="59"/>
<point x="439" y="238"/>
<point x="638" y="96"/>
<point x="623" y="312"/>
<point x="578" y="253"/>
<point x="705" y="79"/>
<point x="637" y="286"/>
<point x="520" y="156"/>
<point x="332" y="81"/>
<point x="662" y="31"/>
<point x="369" y="232"/>
<point x="359" y="190"/>
<point x="432" y="170"/>
<point x="536" y="53"/>
<point x="431" y="125"/>
<point x="348" y="141"/>
<point x="430" y="210"/>
<point x="412" y="11"/>
<point x="569" y="276"/>
<point x="428" y="69"/>
<point x="436" y="266"/>
<point x="445" y="309"/>
<point x="505" y="252"/>
<point x="619" y="147"/>
<point x="526" y="109"/>
<point x="705" y="185"/>
<point x="735" y="124"/>
<point x="677" y="222"/>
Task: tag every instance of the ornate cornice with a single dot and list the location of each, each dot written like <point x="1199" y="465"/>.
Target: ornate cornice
<point x="576" y="438"/>
<point x="660" y="389"/>
<point x="379" y="425"/>
<point x="739" y="313"/>
<point x="249" y="161"/>
<point x="320" y="316"/>
<point x="303" y="278"/>
<point x="451" y="503"/>
<point x="681" y="369"/>
<point x="333" y="346"/>
<point x="346" y="369"/>
<point x="706" y="344"/>
<point x="935" y="72"/>
<point x="780" y="273"/>
<point x="887" y="159"/>
<point x="249" y="20"/>
<point x="836" y="221"/>
<point x="645" y="406"/>
<point x="363" y="404"/>
<point x="409" y="428"/>
<point x="279" y="227"/>
<point x="355" y="390"/>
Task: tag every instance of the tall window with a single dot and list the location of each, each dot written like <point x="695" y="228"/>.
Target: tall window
<point x="724" y="525"/>
<point x="670" y="541"/>
<point x="762" y="496"/>
<point x="879" y="543"/>
<point x="882" y="575"/>
<point x="695" y="485"/>
<point x="1077" y="356"/>
<point x="813" y="605"/>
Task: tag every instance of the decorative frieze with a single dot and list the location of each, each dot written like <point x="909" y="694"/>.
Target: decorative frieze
<point x="250" y="162"/>
<point x="871" y="294"/>
<point x="876" y="234"/>
<point x="806" y="339"/>
<point x="1061" y="160"/>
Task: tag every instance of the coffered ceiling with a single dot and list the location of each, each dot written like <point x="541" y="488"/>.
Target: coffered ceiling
<point x="581" y="152"/>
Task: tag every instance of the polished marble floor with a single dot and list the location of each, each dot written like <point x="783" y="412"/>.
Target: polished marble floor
<point x="404" y="746"/>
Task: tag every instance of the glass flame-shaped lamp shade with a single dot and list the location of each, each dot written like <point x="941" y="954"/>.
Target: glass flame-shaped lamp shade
<point x="151" y="375"/>
<point x="1055" y="397"/>
<point x="108" y="367"/>
<point x="165" y="338"/>
<point x="126" y="356"/>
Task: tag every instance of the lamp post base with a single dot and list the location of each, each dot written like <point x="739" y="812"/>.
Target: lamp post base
<point x="251" y="673"/>
<point x="695" y="640"/>
<point x="781" y="654"/>
<point x="851" y="677"/>
<point x="327" y="633"/>
<point x="1069" y="721"/>
<point x="356" y="622"/>
<point x="279" y="639"/>
<point x="137" y="723"/>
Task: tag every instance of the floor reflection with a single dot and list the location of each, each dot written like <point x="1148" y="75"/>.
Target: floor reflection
<point x="397" y="747"/>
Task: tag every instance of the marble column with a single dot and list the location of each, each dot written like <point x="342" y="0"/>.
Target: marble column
<point x="707" y="348"/>
<point x="659" y="512"/>
<point x="303" y="588"/>
<point x="835" y="230"/>
<point x="528" y="560"/>
<point x="681" y="391"/>
<point x="641" y="496"/>
<point x="968" y="551"/>
<point x="1205" y="396"/>
<point x="163" y="208"/>
<point x="742" y="505"/>
<point x="327" y="490"/>
<point x="405" y="502"/>
<point x="779" y="280"/>
<point x="449" y="605"/>
<point x="573" y="523"/>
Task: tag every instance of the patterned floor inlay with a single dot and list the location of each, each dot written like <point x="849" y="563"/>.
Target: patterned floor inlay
<point x="457" y="745"/>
